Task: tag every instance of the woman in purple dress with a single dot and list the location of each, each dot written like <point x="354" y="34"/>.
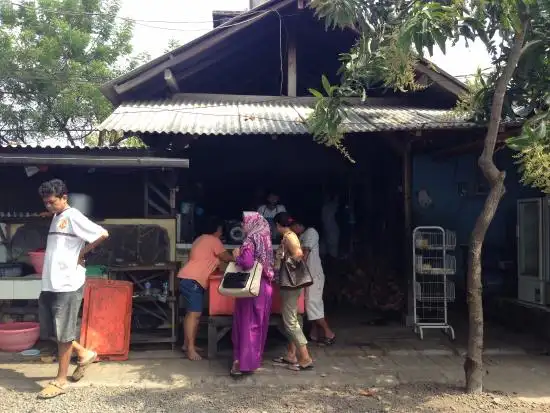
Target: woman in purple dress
<point x="251" y="315"/>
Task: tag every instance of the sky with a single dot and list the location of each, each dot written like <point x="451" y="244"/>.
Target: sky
<point x="159" y="21"/>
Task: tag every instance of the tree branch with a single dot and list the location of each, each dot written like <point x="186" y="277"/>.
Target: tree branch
<point x="67" y="132"/>
<point x="486" y="163"/>
<point x="118" y="141"/>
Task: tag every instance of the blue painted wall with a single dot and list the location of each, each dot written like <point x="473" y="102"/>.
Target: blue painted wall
<point x="450" y="185"/>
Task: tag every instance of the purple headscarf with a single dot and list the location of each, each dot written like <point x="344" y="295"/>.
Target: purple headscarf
<point x="258" y="237"/>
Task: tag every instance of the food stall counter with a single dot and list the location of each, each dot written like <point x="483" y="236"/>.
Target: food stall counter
<point x="222" y="305"/>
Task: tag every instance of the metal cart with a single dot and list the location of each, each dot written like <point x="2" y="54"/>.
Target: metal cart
<point x="433" y="263"/>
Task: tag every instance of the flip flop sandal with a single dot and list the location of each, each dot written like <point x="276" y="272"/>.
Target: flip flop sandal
<point x="53" y="389"/>
<point x="235" y="373"/>
<point x="297" y="367"/>
<point x="328" y="341"/>
<point x="283" y="360"/>
<point x="80" y="371"/>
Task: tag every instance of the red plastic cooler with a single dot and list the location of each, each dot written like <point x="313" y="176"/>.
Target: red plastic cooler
<point x="106" y="318"/>
<point x="221" y="305"/>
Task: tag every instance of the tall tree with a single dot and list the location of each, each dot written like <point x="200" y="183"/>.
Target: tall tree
<point x="391" y="34"/>
<point x="54" y="55"/>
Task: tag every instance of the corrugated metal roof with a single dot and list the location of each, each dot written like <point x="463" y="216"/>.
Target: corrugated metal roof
<point x="202" y="114"/>
<point x="79" y="148"/>
<point x="90" y="156"/>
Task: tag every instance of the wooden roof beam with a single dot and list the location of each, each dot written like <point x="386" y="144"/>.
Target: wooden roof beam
<point x="171" y="81"/>
<point x="453" y="87"/>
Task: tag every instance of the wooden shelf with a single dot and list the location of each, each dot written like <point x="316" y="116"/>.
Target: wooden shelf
<point x="166" y="310"/>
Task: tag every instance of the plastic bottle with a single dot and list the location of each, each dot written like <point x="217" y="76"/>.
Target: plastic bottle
<point x="147" y="288"/>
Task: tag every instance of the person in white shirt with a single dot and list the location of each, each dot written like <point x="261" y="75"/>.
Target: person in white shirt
<point x="269" y="210"/>
<point x="71" y="236"/>
<point x="315" y="309"/>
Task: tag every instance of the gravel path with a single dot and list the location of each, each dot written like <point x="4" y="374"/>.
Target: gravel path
<point x="241" y="399"/>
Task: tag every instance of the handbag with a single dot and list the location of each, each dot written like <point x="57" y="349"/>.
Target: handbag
<point x="241" y="283"/>
<point x="293" y="274"/>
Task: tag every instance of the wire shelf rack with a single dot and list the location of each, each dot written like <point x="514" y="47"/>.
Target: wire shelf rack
<point x="433" y="263"/>
<point x="435" y="240"/>
<point x="432" y="292"/>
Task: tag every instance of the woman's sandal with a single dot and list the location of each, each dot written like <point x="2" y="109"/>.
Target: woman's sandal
<point x="235" y="372"/>
<point x="283" y="360"/>
<point x="298" y="367"/>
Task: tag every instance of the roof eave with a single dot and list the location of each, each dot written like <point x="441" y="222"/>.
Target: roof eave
<point x="93" y="161"/>
<point x="441" y="77"/>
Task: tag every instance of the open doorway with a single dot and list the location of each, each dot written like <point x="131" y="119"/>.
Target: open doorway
<point x="366" y="277"/>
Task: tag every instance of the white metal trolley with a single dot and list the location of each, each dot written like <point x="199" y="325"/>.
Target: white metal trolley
<point x="433" y="263"/>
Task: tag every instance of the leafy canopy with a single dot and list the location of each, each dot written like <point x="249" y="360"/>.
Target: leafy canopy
<point x="55" y="54"/>
<point x="392" y="35"/>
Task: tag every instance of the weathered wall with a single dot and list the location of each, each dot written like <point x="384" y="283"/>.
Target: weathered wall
<point x="451" y="186"/>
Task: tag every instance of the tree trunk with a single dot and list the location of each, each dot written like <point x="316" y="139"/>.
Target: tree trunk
<point x="473" y="365"/>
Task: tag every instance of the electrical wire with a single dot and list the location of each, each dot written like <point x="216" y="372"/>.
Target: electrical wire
<point x="254" y="16"/>
<point x="129" y="19"/>
<point x="52" y="76"/>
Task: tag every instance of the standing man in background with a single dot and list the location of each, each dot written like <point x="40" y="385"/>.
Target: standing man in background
<point x="270" y="209"/>
<point x="70" y="238"/>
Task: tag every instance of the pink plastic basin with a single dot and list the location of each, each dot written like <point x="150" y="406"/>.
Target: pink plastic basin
<point x="37" y="260"/>
<point x="17" y="337"/>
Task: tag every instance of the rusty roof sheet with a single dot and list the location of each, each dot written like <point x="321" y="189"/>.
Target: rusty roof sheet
<point x="203" y="114"/>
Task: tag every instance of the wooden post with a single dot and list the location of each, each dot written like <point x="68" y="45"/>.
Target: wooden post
<point x="292" y="69"/>
<point x="407" y="208"/>
<point x="403" y="149"/>
<point x="171" y="81"/>
<point x="145" y="194"/>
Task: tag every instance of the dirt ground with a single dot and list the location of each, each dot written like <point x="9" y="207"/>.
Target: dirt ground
<point x="208" y="399"/>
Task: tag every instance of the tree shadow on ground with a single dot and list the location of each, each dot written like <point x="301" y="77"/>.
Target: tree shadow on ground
<point x="14" y="380"/>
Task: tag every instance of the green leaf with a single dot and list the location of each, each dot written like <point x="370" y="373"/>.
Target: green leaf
<point x="316" y="93"/>
<point x="440" y="40"/>
<point x="518" y="143"/>
<point x="326" y="85"/>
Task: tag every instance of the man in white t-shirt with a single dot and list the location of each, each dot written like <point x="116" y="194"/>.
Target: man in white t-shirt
<point x="269" y="210"/>
<point x="315" y="308"/>
<point x="70" y="237"/>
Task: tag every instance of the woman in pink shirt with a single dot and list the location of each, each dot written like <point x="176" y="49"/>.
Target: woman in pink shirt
<point x="207" y="252"/>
